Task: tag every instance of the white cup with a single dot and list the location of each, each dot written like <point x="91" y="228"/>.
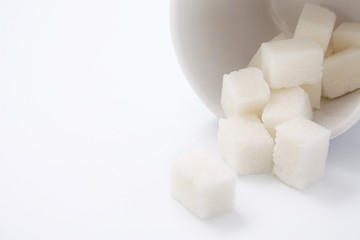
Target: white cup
<point x="214" y="37"/>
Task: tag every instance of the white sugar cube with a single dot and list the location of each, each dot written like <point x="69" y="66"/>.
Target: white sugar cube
<point x="300" y="152"/>
<point x="317" y="23"/>
<point x="245" y="145"/>
<point x="314" y="92"/>
<point x="256" y="59"/>
<point x="341" y="73"/>
<point x="292" y="62"/>
<point x="244" y="92"/>
<point x="346" y="35"/>
<point x="285" y="104"/>
<point x="202" y="184"/>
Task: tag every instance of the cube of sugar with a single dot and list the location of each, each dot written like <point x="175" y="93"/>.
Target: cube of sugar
<point x="244" y="92"/>
<point x="314" y="92"/>
<point x="245" y="145"/>
<point x="300" y="151"/>
<point x="202" y="184"/>
<point x="341" y="73"/>
<point x="285" y="104"/>
<point x="346" y="35"/>
<point x="317" y="23"/>
<point x="292" y="62"/>
<point x="256" y="59"/>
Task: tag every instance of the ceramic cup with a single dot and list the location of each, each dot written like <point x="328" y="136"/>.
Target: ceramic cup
<point x="214" y="37"/>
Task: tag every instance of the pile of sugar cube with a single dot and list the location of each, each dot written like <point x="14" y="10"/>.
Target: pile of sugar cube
<point x="269" y="107"/>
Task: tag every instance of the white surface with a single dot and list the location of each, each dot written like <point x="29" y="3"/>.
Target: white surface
<point x="93" y="106"/>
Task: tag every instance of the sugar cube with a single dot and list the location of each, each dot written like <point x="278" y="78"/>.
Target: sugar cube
<point x="285" y="104"/>
<point x="346" y="35"/>
<point x="244" y="92"/>
<point x="292" y="62"/>
<point x="300" y="152"/>
<point x="317" y="23"/>
<point x="314" y="92"/>
<point x="341" y="73"/>
<point x="245" y="145"/>
<point x="202" y="184"/>
<point x="256" y="59"/>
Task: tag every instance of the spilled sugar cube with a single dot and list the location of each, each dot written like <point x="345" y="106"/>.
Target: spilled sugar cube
<point x="317" y="23"/>
<point x="341" y="73"/>
<point x="244" y="92"/>
<point x="202" y="184"/>
<point x="245" y="145"/>
<point x="285" y="104"/>
<point x="300" y="152"/>
<point x="346" y="35"/>
<point x="292" y="62"/>
<point x="256" y="59"/>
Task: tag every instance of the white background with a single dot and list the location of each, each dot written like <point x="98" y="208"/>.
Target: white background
<point x="93" y="107"/>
